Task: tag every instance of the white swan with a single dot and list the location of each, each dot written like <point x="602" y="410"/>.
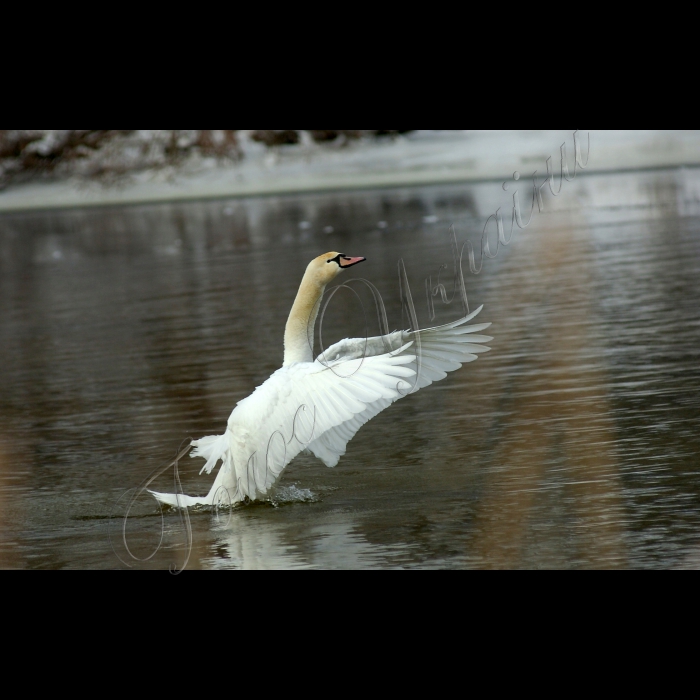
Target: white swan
<point x="320" y="405"/>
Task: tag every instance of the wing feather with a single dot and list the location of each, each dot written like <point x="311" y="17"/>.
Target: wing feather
<point x="442" y="350"/>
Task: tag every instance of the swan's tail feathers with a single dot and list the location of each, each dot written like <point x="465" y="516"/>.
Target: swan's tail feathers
<point x="213" y="449"/>
<point x="179" y="501"/>
<point x="224" y="493"/>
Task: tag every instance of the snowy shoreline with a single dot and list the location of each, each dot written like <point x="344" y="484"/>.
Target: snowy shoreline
<point x="423" y="158"/>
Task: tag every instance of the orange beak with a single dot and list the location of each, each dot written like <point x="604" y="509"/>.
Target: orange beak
<point x="349" y="262"/>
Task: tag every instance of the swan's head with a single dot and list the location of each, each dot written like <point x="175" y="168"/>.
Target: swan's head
<point x="327" y="267"/>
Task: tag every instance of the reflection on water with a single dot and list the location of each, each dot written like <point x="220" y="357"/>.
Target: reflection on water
<point x="574" y="444"/>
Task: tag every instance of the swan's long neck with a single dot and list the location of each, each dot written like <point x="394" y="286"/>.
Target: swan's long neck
<point x="299" y="334"/>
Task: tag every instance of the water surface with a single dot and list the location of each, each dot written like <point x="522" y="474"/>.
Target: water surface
<point x="573" y="444"/>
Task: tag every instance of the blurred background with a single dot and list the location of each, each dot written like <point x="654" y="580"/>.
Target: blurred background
<point x="29" y="154"/>
<point x="146" y="277"/>
<point x="57" y="169"/>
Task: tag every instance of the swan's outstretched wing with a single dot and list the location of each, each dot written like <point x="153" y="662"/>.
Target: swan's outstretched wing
<point x="433" y="353"/>
<point x="448" y="335"/>
<point x="321" y="405"/>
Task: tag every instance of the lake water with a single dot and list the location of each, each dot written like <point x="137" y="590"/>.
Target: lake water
<point x="575" y="443"/>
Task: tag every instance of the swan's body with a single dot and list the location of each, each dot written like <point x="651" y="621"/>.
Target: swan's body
<point x="321" y="404"/>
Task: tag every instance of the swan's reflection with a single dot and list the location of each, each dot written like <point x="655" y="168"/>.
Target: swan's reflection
<point x="253" y="543"/>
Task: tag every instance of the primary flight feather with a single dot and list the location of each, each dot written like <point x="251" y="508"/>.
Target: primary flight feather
<point x="320" y="405"/>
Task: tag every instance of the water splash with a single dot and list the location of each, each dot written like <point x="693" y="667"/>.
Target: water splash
<point x="288" y="495"/>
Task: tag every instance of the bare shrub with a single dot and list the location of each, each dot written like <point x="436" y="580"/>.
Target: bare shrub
<point x="26" y="154"/>
<point x="108" y="153"/>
